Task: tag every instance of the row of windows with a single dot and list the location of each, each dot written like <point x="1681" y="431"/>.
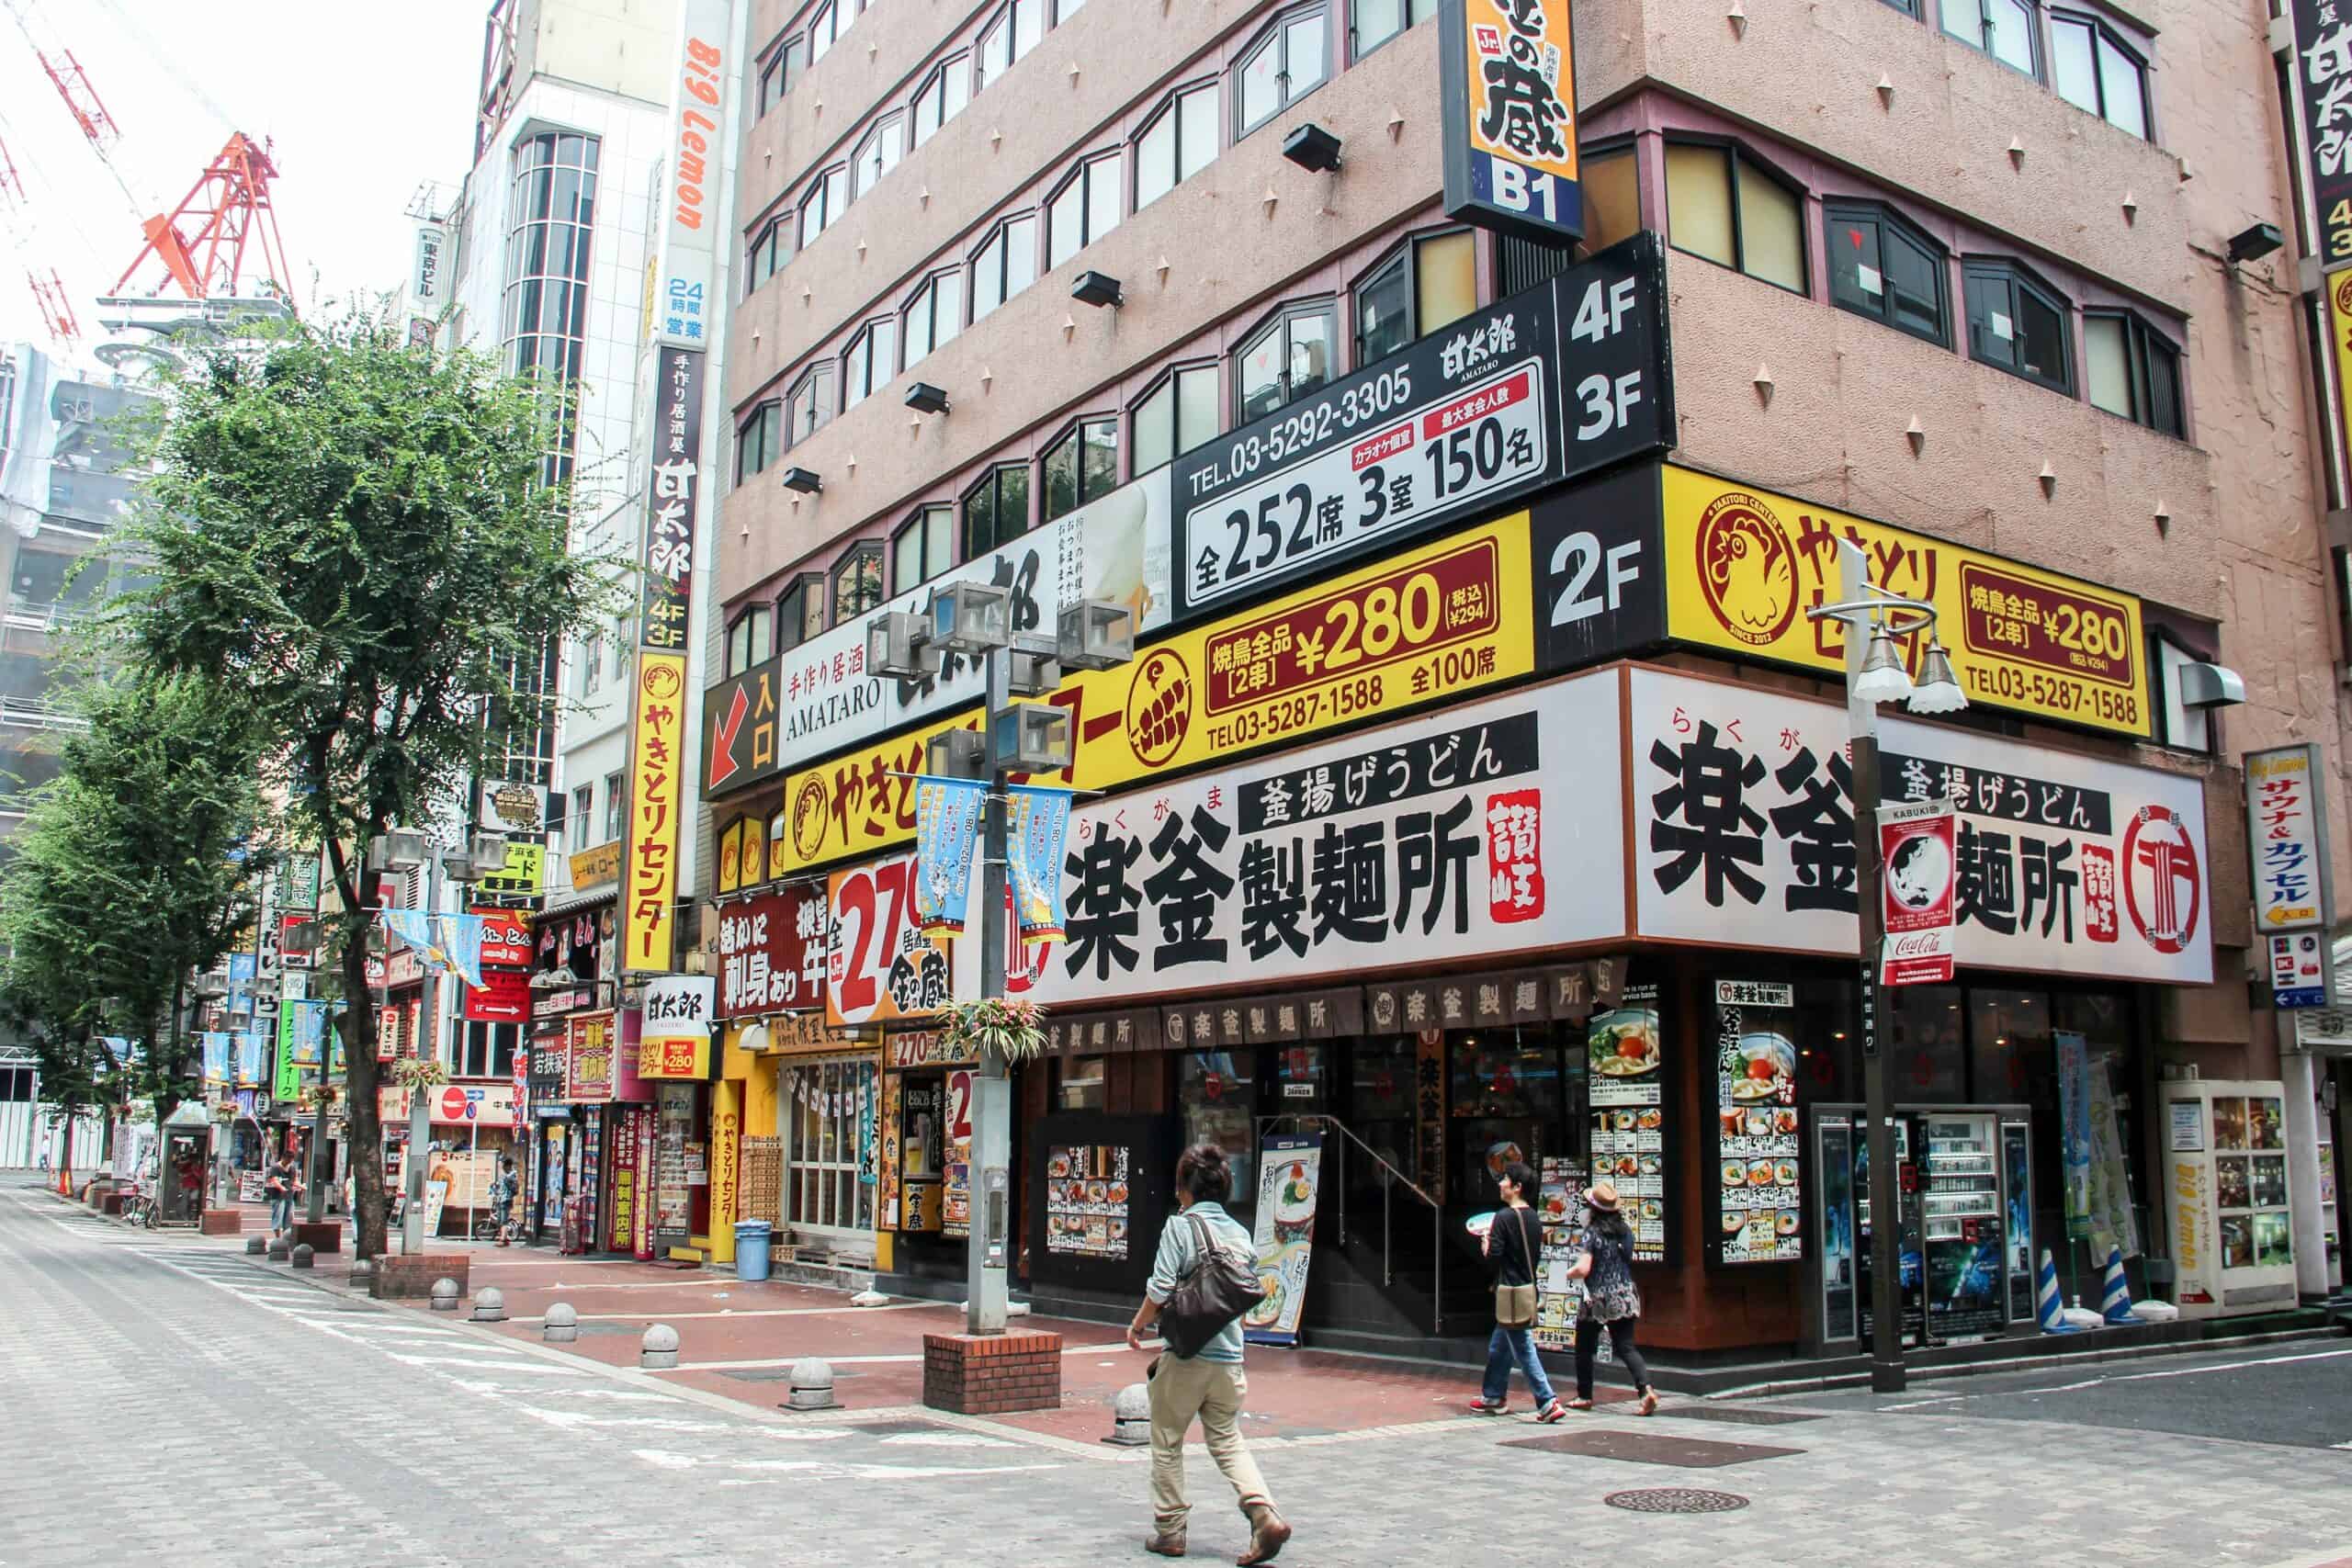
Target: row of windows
<point x="584" y="817"/>
<point x="1290" y="57"/>
<point x="2088" y="60"/>
<point x="1723" y="204"/>
<point x="1420" y="286"/>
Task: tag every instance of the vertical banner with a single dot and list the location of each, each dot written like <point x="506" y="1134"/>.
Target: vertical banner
<point x="1290" y="1179"/>
<point x="253" y="1057"/>
<point x="2111" y="1186"/>
<point x="1037" y="828"/>
<point x="459" y="940"/>
<point x="650" y="865"/>
<point x="726" y="1165"/>
<point x="216" y="1058"/>
<point x="947" y="821"/>
<point x="681" y="313"/>
<point x="2324" y="91"/>
<point x="297" y="884"/>
<point x="675" y="1042"/>
<point x="1917" y="859"/>
<point x="1507" y="69"/>
<point x="2340" y="332"/>
<point x="288" y="1084"/>
<point x="2286" y="827"/>
<point x="2073" y="1129"/>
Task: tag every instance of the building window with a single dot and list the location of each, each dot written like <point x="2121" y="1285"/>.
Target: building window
<point x="1284" y="359"/>
<point x="1179" y="143"/>
<point x="1175" y="416"/>
<point x="870" y="362"/>
<point x="488" y="1051"/>
<point x="1882" y="267"/>
<point x="857" y="581"/>
<point x="783" y="68"/>
<point x="824" y="27"/>
<point x="877" y="154"/>
<point x="1432" y="279"/>
<point x="768" y="250"/>
<point x="1013" y="33"/>
<point x="934" y="315"/>
<point x="822" y="207"/>
<point x="583" y="807"/>
<point x="1372" y="23"/>
<point x="2002" y="28"/>
<point x="544" y="311"/>
<point x="811" y="403"/>
<point x="1289" y="61"/>
<point x="799" y="611"/>
<point x="2017" y="323"/>
<point x="613" y="807"/>
<point x="1005" y="266"/>
<point x="592" y="662"/>
<point x="750" y="639"/>
<point x="923" y="546"/>
<point x="1064" y="9"/>
<point x="758" y="440"/>
<point x="2130" y="369"/>
<point x="1082" y="466"/>
<point x="2095" y="70"/>
<point x="821" y="1110"/>
<point x="1721" y="205"/>
<point x="1612" y="197"/>
<point x="943" y="96"/>
<point x="1085" y="208"/>
<point x="996" y="510"/>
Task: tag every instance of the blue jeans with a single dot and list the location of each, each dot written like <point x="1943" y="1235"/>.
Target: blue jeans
<point x="1507" y="1346"/>
<point x="281" y="1212"/>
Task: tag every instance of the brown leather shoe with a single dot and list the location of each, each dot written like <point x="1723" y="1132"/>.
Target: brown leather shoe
<point x="1165" y="1543"/>
<point x="1267" y="1533"/>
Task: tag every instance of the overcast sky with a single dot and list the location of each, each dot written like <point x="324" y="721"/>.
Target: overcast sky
<point x="365" y="102"/>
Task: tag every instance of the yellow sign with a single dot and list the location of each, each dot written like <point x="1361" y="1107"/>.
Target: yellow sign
<point x="524" y="873"/>
<point x="593" y="868"/>
<point x="1432" y="623"/>
<point x="725" y="1147"/>
<point x="674" y="1056"/>
<point x="1743" y="565"/>
<point x="2339" y="330"/>
<point x="1522" y="84"/>
<point x="650" y="854"/>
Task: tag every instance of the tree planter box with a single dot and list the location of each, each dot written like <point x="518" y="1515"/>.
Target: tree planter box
<point x="222" y="1222"/>
<point x="990" y="1375"/>
<point x="322" y="1236"/>
<point x="402" y="1278"/>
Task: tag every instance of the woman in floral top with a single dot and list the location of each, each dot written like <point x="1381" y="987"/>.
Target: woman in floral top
<point x="1610" y="1298"/>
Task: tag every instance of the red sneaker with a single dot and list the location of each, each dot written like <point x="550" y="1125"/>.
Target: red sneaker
<point x="1483" y="1406"/>
<point x="1554" y="1411"/>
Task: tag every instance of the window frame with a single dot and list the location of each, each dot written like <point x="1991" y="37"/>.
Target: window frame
<point x="1171" y="108"/>
<point x="1083" y="176"/>
<point x="1001" y="233"/>
<point x="2141" y="337"/>
<point x="877" y="376"/>
<point x="1884" y="215"/>
<point x="1007" y="17"/>
<point x="830" y="10"/>
<point x="940" y="76"/>
<point x="1407" y="253"/>
<point x="926" y="294"/>
<point x="1279" y="318"/>
<point x="894" y="123"/>
<point x="1074" y="434"/>
<point x="1738" y="155"/>
<point x="811" y="587"/>
<point x="1276" y="34"/>
<point x="2036" y="18"/>
<point x="2015" y="274"/>
<point x="1357" y="50"/>
<point x="819" y="194"/>
<point x="772" y="443"/>
<point x="824" y="402"/>
<point x="918" y="526"/>
<point x="993" y="480"/>
<point x="1168" y="383"/>
<point x="2104" y="31"/>
<point x="871" y="549"/>
<point x="748" y="617"/>
<point x="778" y="66"/>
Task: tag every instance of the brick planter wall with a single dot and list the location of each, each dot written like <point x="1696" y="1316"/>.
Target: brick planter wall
<point x="323" y="1237"/>
<point x="399" y="1278"/>
<point x="221" y="1222"/>
<point x="990" y="1375"/>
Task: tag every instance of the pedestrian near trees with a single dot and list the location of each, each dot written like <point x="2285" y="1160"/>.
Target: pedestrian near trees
<point x="1612" y="1301"/>
<point x="1512" y="1244"/>
<point x="284" y="1186"/>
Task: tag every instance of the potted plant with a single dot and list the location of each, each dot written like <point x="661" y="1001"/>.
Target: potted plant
<point x="1015" y="1030"/>
<point x="416" y="1073"/>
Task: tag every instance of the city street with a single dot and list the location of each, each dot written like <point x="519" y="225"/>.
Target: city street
<point x="171" y="1400"/>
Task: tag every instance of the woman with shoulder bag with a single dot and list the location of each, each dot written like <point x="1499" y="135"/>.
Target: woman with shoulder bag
<point x="1192" y="1282"/>
<point x="1610" y="1298"/>
<point x="1513" y="1243"/>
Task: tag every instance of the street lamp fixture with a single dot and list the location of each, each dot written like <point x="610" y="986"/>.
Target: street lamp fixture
<point x="956" y="754"/>
<point x="396" y="851"/>
<point x="924" y="398"/>
<point x="1029" y="737"/>
<point x="971" y="618"/>
<point x="1883" y="677"/>
<point x="1094" y="634"/>
<point x="1312" y="148"/>
<point x="1937" y="691"/>
<point x="1097" y="289"/>
<point x="803" y="481"/>
<point x="899" y="647"/>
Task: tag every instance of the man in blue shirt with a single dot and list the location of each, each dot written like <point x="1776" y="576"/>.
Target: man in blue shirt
<point x="1210" y="1384"/>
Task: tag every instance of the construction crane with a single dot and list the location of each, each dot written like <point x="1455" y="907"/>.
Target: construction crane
<point x="231" y="207"/>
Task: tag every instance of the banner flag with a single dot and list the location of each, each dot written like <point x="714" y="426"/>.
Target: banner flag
<point x="1037" y="825"/>
<point x="215" y="1057"/>
<point x="461" y="942"/>
<point x="947" y="821"/>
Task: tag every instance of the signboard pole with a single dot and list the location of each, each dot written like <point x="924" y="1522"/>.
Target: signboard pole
<point x="987" y="1240"/>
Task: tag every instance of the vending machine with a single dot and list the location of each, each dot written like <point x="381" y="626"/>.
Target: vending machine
<point x="2225" y="1196"/>
<point x="1964" y="1185"/>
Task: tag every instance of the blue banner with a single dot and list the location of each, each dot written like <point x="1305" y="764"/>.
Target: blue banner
<point x="310" y="1031"/>
<point x="252" y="1055"/>
<point x="217" y="1050"/>
<point x="1036" y="827"/>
<point x="2075" y="1128"/>
<point x="947" y="821"/>
<point x="240" y="967"/>
<point x="461" y="945"/>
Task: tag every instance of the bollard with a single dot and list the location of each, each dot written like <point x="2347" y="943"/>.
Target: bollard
<point x="302" y="1257"/>
<point x="659" y="1350"/>
<point x="489" y="1305"/>
<point x="1131" y="1417"/>
<point x="562" y="1324"/>
<point x="445" y="1295"/>
<point x="276" y="1249"/>
<point x="812" y="1385"/>
<point x="256" y="1245"/>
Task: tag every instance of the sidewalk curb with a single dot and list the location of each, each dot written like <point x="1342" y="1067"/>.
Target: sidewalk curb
<point x="1782" y="1388"/>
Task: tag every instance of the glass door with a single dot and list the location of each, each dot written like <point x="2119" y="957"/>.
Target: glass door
<point x="828" y="1116"/>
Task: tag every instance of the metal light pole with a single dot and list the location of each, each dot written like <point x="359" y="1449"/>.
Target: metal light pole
<point x="988" y="1233"/>
<point x="1865" y="608"/>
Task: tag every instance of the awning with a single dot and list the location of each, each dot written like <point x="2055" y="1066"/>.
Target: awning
<point x="596" y="898"/>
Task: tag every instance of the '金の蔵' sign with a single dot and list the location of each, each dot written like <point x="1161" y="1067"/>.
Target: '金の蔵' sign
<point x="1507" y="74"/>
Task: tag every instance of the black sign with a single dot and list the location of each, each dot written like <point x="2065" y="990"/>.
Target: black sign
<point x="2323" y="83"/>
<point x="1556" y="381"/>
<point x="1600" y="578"/>
<point x="673" y="502"/>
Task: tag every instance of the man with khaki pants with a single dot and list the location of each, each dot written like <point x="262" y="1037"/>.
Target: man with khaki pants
<point x="1209" y="1385"/>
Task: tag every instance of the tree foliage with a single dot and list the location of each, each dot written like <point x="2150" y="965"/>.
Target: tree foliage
<point x="362" y="538"/>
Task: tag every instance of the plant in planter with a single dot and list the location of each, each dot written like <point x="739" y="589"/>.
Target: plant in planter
<point x="414" y="1073"/>
<point x="1015" y="1030"/>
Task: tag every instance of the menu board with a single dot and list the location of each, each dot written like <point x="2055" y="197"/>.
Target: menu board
<point x="1757" y="1147"/>
<point x="2250" y="1182"/>
<point x="1628" y="1096"/>
<point x="1086" y="1199"/>
<point x="1562" y="1205"/>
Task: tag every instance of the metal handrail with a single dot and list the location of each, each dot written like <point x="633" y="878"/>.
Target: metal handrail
<point x="1394" y="1180"/>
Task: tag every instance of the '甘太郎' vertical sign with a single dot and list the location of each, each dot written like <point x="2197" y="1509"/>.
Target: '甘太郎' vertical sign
<point x="1508" y="70"/>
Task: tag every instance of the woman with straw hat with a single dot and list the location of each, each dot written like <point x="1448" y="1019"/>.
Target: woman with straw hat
<point x="1605" y="1263"/>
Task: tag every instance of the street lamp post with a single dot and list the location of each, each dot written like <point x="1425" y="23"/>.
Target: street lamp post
<point x="1875" y="673"/>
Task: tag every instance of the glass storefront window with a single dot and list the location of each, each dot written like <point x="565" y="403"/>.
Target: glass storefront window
<point x="1217" y="1092"/>
<point x="828" y="1113"/>
<point x="2013" y="1057"/>
<point x="1512" y="1099"/>
<point x="1084" y="1084"/>
<point x="1927" y="1061"/>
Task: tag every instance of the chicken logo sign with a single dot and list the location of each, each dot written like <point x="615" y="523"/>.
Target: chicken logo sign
<point x="1747" y="569"/>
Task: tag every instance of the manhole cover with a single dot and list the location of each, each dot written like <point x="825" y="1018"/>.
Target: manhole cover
<point x="1737" y="1416"/>
<point x="1676" y="1500"/>
<point x="1647" y="1448"/>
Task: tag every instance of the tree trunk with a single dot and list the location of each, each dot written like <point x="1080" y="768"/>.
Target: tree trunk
<point x="361" y="1075"/>
<point x="65" y="1160"/>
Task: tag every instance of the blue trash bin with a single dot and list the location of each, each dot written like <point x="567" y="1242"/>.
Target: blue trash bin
<point x="752" y="1248"/>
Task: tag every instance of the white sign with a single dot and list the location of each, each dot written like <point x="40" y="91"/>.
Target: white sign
<point x="1755" y="994"/>
<point x="2286" y="836"/>
<point x="1743" y="835"/>
<point x="425" y="283"/>
<point x="695" y="171"/>
<point x="1473" y="834"/>
<point x="514" y="807"/>
<point x="678" y="1006"/>
<point x="1917" y="846"/>
<point x="2188" y="1129"/>
<point x="2299" y="969"/>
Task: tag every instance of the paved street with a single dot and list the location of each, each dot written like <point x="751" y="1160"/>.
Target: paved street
<point x="170" y="1401"/>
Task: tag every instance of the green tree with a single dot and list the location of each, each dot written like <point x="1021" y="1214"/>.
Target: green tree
<point x="362" y="538"/>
